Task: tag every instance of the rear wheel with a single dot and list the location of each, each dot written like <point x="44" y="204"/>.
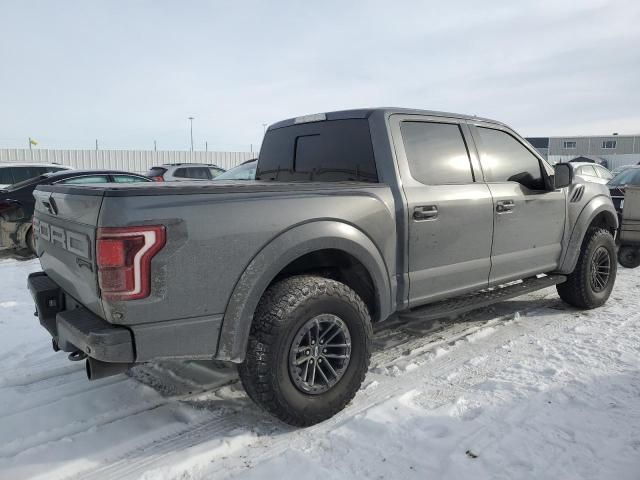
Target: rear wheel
<point x="591" y="282"/>
<point x="629" y="257"/>
<point x="308" y="350"/>
<point x="31" y="241"/>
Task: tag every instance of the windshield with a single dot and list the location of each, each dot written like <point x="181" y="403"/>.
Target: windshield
<point x="627" y="177"/>
<point x="246" y="171"/>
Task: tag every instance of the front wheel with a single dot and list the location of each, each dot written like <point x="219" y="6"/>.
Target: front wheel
<point x="308" y="350"/>
<point x="592" y="280"/>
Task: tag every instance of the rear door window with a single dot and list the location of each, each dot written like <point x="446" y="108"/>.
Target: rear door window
<point x="24" y="173"/>
<point x="198" y="173"/>
<point x="505" y="159"/>
<point x="603" y="172"/>
<point x="128" y="179"/>
<point x="330" y="151"/>
<point x="86" y="179"/>
<point x="436" y="153"/>
<point x="587" y="170"/>
<point x="215" y="171"/>
<point x="6" y="176"/>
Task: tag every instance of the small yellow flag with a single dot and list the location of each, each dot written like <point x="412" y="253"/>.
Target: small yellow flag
<point x="32" y="141"/>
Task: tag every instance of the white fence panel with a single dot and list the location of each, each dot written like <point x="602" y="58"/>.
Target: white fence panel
<point x="131" y="160"/>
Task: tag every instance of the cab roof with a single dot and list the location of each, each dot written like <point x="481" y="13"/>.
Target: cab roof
<point x="367" y="112"/>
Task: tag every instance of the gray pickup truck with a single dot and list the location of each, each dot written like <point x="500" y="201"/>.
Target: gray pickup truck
<point x="355" y="217"/>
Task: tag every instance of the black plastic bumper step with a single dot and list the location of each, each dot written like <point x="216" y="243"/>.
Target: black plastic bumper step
<point x="94" y="336"/>
<point x="459" y="305"/>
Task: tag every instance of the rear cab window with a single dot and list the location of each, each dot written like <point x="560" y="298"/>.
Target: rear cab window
<point x="325" y="151"/>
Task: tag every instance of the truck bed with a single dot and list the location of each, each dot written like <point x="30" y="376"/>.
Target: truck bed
<point x="209" y="240"/>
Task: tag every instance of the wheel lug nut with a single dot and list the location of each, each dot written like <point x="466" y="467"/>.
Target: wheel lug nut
<point x="313" y="342"/>
<point x="308" y="352"/>
<point x="311" y="361"/>
<point x="324" y="350"/>
<point x="319" y="360"/>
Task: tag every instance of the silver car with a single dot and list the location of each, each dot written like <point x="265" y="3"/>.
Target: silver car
<point x="175" y="172"/>
<point x="591" y="172"/>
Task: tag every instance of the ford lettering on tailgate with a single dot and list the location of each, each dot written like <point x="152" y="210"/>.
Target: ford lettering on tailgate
<point x="69" y="240"/>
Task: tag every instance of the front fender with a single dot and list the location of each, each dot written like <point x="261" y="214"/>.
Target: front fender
<point x="599" y="205"/>
<point x="279" y="253"/>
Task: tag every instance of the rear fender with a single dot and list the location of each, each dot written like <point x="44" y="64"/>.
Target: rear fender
<point x="279" y="253"/>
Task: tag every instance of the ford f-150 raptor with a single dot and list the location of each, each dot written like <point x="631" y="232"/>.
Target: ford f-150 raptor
<point x="354" y="217"/>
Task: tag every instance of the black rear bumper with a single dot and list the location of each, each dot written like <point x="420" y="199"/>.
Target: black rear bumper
<point x="78" y="328"/>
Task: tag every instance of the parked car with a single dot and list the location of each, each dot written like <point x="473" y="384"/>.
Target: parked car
<point x="620" y="169"/>
<point x="355" y="217"/>
<point x="591" y="172"/>
<point x="11" y="173"/>
<point x="174" y="172"/>
<point x="628" y="238"/>
<point x="17" y="202"/>
<point x="629" y="176"/>
<point x="244" y="171"/>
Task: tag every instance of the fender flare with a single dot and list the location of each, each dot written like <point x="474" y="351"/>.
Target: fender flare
<point x="275" y="256"/>
<point x="596" y="206"/>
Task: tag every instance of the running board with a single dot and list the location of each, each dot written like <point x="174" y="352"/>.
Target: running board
<point x="459" y="305"/>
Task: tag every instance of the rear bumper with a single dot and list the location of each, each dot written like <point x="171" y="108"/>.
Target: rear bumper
<point x="78" y="328"/>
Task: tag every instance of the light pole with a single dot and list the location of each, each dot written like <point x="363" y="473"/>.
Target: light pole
<point x="264" y="129"/>
<point x="191" y="130"/>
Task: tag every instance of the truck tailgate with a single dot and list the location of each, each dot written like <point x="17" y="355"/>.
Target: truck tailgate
<point x="65" y="226"/>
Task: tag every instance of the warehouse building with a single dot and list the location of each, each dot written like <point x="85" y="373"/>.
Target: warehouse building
<point x="612" y="151"/>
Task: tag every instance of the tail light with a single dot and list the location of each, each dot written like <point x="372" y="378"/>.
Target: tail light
<point x="158" y="178"/>
<point x="124" y="260"/>
<point x="6" y="205"/>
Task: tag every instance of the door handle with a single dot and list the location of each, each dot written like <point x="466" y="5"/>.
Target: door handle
<point x="505" y="206"/>
<point x="425" y="212"/>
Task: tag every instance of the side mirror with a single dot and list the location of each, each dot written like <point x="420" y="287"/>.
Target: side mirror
<point x="562" y="175"/>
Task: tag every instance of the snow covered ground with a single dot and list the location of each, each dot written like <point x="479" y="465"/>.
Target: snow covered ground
<point x="526" y="389"/>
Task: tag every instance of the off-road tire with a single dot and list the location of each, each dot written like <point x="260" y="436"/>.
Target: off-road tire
<point x="282" y="311"/>
<point x="31" y="242"/>
<point x="578" y="290"/>
<point x="629" y="257"/>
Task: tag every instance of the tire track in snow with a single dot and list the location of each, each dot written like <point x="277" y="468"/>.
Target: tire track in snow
<point x="31" y="376"/>
<point x="73" y="388"/>
<point x="154" y="455"/>
<point x="43" y="437"/>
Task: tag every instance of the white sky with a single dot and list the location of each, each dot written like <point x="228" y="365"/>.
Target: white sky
<point x="131" y="72"/>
